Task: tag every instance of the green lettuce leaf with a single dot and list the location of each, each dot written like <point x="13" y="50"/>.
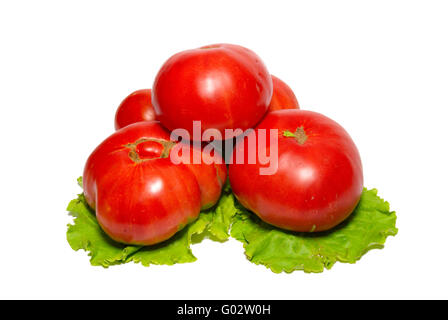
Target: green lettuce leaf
<point x="218" y="219"/>
<point x="367" y="228"/>
<point x="86" y="234"/>
<point x="279" y="250"/>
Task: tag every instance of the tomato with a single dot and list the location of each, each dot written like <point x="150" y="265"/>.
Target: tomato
<point x="210" y="177"/>
<point x="282" y="97"/>
<point x="224" y="86"/>
<point x="319" y="179"/>
<point x="135" y="108"/>
<point x="140" y="196"/>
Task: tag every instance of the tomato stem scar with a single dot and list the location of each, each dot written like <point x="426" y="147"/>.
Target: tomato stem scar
<point x="300" y="135"/>
<point x="135" y="156"/>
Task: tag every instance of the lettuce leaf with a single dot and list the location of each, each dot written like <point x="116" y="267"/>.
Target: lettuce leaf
<point x="213" y="224"/>
<point x="279" y="250"/>
<point x="85" y="233"/>
<point x="218" y="219"/>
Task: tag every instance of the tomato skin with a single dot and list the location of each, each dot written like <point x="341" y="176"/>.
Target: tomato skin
<point x="211" y="177"/>
<point x="222" y="85"/>
<point x="318" y="183"/>
<point x="134" y="108"/>
<point x="140" y="197"/>
<point x="282" y="97"/>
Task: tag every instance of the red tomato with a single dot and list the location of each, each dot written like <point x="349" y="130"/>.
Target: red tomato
<point x="319" y="180"/>
<point x="135" y="107"/>
<point x="222" y="85"/>
<point x="282" y="97"/>
<point x="210" y="177"/>
<point x="139" y="195"/>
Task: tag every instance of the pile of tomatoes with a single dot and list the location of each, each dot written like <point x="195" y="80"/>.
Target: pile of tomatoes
<point x="142" y="197"/>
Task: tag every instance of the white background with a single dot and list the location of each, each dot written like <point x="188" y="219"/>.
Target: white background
<point x="379" y="68"/>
